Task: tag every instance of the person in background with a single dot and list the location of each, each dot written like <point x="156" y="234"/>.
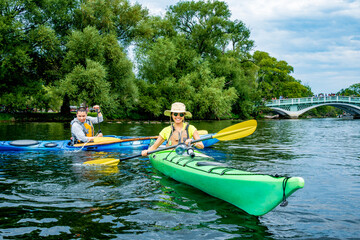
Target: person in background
<point x="178" y="132"/>
<point x="82" y="128"/>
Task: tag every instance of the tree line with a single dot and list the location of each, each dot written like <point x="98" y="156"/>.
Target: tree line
<point x="57" y="53"/>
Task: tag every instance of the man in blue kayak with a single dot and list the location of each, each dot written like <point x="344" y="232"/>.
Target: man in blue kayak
<point x="82" y="128"/>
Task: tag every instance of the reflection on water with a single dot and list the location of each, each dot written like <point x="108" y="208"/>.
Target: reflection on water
<point x="45" y="194"/>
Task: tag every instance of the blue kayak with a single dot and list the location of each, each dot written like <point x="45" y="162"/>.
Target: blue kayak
<point x="65" y="145"/>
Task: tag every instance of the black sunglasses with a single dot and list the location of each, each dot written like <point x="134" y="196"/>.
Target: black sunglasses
<point x="181" y="114"/>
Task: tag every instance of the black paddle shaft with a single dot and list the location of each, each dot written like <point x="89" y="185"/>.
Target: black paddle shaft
<point x="97" y="111"/>
<point x="165" y="148"/>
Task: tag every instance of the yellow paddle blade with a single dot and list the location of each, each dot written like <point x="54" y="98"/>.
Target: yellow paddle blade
<point x="105" y="139"/>
<point x="202" y="132"/>
<point x="104" y="161"/>
<point x="236" y="131"/>
<point x="99" y="141"/>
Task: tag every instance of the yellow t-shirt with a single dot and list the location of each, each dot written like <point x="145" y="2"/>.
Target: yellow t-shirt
<point x="165" y="133"/>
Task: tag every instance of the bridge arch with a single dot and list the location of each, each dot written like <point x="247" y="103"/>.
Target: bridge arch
<point x="353" y="110"/>
<point x="294" y="107"/>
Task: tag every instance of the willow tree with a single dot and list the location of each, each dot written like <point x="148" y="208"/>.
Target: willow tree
<point x="98" y="72"/>
<point x="103" y="30"/>
<point x="31" y="41"/>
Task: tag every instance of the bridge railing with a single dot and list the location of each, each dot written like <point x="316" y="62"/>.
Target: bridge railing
<point x="312" y="100"/>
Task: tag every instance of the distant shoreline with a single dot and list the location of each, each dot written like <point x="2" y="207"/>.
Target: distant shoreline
<point x="35" y="117"/>
<point x="59" y="117"/>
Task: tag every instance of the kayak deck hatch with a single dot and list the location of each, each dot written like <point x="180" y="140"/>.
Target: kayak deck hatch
<point x="23" y="143"/>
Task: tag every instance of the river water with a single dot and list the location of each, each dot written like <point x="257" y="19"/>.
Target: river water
<point x="54" y="196"/>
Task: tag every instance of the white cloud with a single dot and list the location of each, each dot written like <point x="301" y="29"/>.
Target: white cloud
<point x="253" y="11"/>
<point x="329" y="71"/>
<point x="320" y="39"/>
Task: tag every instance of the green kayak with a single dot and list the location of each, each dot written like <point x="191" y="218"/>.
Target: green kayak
<point x="256" y="194"/>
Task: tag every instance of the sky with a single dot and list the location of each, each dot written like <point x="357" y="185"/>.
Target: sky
<point x="320" y="39"/>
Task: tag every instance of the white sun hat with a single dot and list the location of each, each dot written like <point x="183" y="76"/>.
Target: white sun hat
<point x="178" y="107"/>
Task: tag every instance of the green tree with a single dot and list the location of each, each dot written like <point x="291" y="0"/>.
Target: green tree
<point x="172" y="71"/>
<point x="225" y="44"/>
<point x="123" y="88"/>
<point x="240" y="74"/>
<point x="274" y="79"/>
<point x="239" y="37"/>
<point x="31" y="33"/>
<point x="104" y="28"/>
<point x="211" y="98"/>
<point x="198" y="37"/>
<point x="208" y="28"/>
<point x="115" y="72"/>
<point x="116" y="17"/>
<point x="88" y="84"/>
<point x="35" y="51"/>
<point x="353" y="90"/>
<point x="160" y="74"/>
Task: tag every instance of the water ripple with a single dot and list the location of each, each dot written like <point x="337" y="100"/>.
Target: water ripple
<point x="53" y="195"/>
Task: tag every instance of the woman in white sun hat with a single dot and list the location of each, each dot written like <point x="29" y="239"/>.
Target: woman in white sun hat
<point x="179" y="131"/>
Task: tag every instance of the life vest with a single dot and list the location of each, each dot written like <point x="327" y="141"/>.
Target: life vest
<point x="87" y="127"/>
<point x="176" y="136"/>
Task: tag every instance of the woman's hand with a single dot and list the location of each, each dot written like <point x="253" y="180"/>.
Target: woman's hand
<point x="144" y="153"/>
<point x="157" y="143"/>
<point x="188" y="141"/>
<point x="198" y="145"/>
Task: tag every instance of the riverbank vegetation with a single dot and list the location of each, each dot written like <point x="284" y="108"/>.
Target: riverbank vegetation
<point x="57" y="53"/>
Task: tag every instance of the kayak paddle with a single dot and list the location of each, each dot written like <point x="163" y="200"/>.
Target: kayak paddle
<point x="97" y="111"/>
<point x="236" y="131"/>
<point x="110" y="140"/>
